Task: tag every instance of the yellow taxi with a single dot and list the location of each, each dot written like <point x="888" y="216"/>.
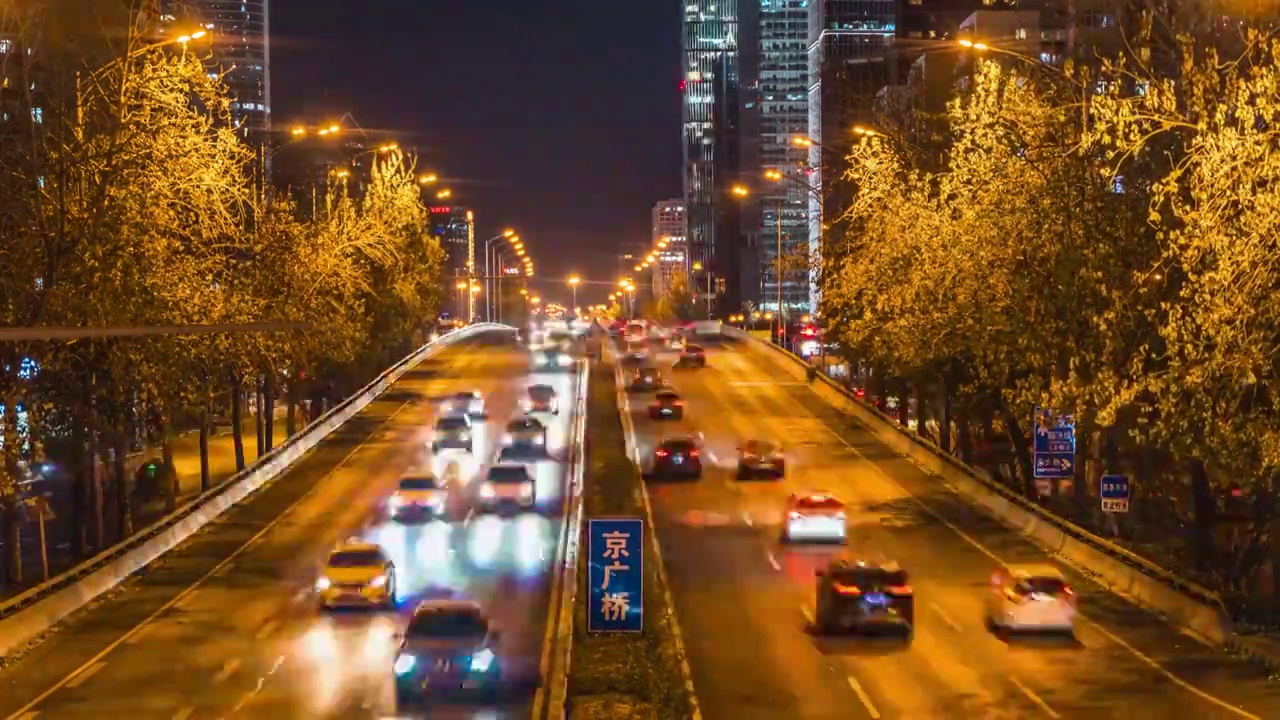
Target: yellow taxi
<point x="357" y="574"/>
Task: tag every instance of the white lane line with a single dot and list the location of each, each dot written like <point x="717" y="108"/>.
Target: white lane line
<point x="808" y="615"/>
<point x="184" y="713"/>
<point x="773" y="562"/>
<point x="466" y="521"/>
<point x="83" y="676"/>
<point x="31" y="715"/>
<point x="267" y="629"/>
<point x="228" y="668"/>
<point x="864" y="697"/>
<point x="140" y="636"/>
<point x="746" y="518"/>
<point x="191" y="589"/>
<point x="937" y="609"/>
<point x="1034" y="697"/>
<point x="1149" y="661"/>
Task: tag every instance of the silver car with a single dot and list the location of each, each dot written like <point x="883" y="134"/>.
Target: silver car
<point x="453" y="432"/>
<point x="507" y="486"/>
<point x="467" y="402"/>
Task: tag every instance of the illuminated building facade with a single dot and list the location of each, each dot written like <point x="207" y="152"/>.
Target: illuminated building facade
<point x="241" y="42"/>
<point x="454" y="228"/>
<point x="669" y="223"/>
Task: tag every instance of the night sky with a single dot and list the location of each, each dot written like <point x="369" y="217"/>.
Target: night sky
<point x="560" y="118"/>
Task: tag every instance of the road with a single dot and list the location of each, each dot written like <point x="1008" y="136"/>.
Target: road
<point x="744" y="602"/>
<point x="225" y="626"/>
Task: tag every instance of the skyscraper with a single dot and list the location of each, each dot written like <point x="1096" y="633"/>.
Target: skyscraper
<point x="241" y="36"/>
<point x="711" y="134"/>
<point x="452" y="227"/>
<point x="783" y="107"/>
<point x="669" y="223"/>
<point x="849" y="62"/>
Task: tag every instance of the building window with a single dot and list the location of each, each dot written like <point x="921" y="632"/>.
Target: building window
<point x="37" y="115"/>
<point x="1020" y="34"/>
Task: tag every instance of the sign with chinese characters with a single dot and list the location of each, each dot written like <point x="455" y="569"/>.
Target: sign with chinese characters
<point x="1055" y="444"/>
<point x="510" y="271"/>
<point x="1115" y="493"/>
<point x="615" y="579"/>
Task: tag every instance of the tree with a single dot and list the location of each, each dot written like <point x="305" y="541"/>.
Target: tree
<point x="677" y="303"/>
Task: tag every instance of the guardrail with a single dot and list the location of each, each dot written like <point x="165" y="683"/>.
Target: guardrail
<point x="553" y="670"/>
<point x="26" y="616"/>
<point x="1179" y="600"/>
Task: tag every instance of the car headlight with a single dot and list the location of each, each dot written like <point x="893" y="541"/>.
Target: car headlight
<point x="465" y="435"/>
<point x="322" y="583"/>
<point x="404" y="663"/>
<point x="563" y="361"/>
<point x="482" y="661"/>
<point x="526" y="490"/>
<point x="486" y="491"/>
<point x="395" y="502"/>
<point x="378" y="582"/>
<point x="539" y="440"/>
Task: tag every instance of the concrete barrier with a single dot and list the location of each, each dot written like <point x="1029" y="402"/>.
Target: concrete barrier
<point x="1180" y="601"/>
<point x="34" y="612"/>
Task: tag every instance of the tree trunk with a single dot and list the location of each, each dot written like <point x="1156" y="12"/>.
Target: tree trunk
<point x="124" y="486"/>
<point x="922" y="411"/>
<point x="10" y="515"/>
<point x="204" y="447"/>
<point x="168" y="472"/>
<point x="291" y="402"/>
<point x="269" y="408"/>
<point x="1274" y="515"/>
<point x="965" y="429"/>
<point x="1021" y="447"/>
<point x="1206" y="516"/>
<point x="237" y="422"/>
<point x="257" y="418"/>
<point x="904" y="404"/>
<point x="944" y="427"/>
<point x="96" y="505"/>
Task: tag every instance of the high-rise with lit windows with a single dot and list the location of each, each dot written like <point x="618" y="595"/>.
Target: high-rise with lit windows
<point x="669" y="225"/>
<point x="711" y="139"/>
<point x="241" y="42"/>
<point x="783" y="115"/>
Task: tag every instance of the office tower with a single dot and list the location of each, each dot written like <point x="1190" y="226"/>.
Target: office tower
<point x="782" y="112"/>
<point x="669" y="224"/>
<point x="453" y="227"/>
<point x="241" y="46"/>
<point x="711" y="136"/>
<point x="849" y="62"/>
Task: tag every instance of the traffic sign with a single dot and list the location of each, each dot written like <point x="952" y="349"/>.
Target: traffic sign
<point x="1055" y="444"/>
<point x="615" y="547"/>
<point x="1115" y="493"/>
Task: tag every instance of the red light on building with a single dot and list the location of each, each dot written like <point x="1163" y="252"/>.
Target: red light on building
<point x="682" y="85"/>
<point x="440" y="210"/>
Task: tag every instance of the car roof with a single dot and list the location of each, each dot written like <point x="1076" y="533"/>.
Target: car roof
<point x="454" y="418"/>
<point x="525" y="422"/>
<point x="849" y="562"/>
<point x="357" y="546"/>
<point x="467" y="394"/>
<point x="541" y="387"/>
<point x="1034" y="570"/>
<point x="442" y="604"/>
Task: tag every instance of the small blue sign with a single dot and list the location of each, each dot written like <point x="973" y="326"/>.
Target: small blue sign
<point x="615" y="548"/>
<point x="1055" y="444"/>
<point x="1115" y="493"/>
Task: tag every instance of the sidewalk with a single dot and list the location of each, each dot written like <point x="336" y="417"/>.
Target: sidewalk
<point x="186" y="460"/>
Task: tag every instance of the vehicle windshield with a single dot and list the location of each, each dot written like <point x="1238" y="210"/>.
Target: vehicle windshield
<point x="1041" y="585"/>
<point x="871" y="578"/>
<point x="355" y="558"/>
<point x="419" y="483"/>
<point x="450" y="623"/>
<point x="465" y="396"/>
<point x="508" y="475"/>
<point x="452" y="423"/>
<point x="667" y="396"/>
<point x="693" y="348"/>
<point x="819" y="502"/>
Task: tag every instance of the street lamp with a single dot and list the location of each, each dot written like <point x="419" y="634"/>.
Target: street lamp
<point x="489" y="280"/>
<point x="444" y="194"/>
<point x="573" y="283"/>
<point x="740" y="190"/>
<point x="427" y="179"/>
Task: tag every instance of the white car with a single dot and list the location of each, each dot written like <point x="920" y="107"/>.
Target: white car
<point x="814" y="517"/>
<point x="551" y="359"/>
<point x="418" y="494"/>
<point x="543" y="399"/>
<point x="453" y="432"/>
<point x="507" y="485"/>
<point x="527" y="433"/>
<point x="467" y="402"/>
<point x="1031" y="597"/>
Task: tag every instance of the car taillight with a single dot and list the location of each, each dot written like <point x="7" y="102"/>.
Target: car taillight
<point x="848" y="589"/>
<point x="693" y="453"/>
<point x="661" y="453"/>
<point x="899" y="590"/>
<point x="1069" y="594"/>
<point x="1015" y="596"/>
<point x="793" y="515"/>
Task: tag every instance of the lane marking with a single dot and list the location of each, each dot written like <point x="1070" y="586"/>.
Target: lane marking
<point x="268" y="628"/>
<point x="191" y="589"/>
<point x="184" y="713"/>
<point x="746" y="518"/>
<point x="864" y="697"/>
<point x="808" y="615"/>
<point x="773" y="561"/>
<point x="228" y="668"/>
<point x="937" y="609"/>
<point x="28" y="715"/>
<point x="1034" y="697"/>
<point x="89" y="672"/>
<point x="1149" y="661"/>
<point x="466" y="521"/>
<point x="146" y="632"/>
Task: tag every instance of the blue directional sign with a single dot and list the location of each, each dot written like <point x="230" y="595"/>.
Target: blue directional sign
<point x="1055" y="444"/>
<point x="615" y="580"/>
<point x="1115" y="493"/>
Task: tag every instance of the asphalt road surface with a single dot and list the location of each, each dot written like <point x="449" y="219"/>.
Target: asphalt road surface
<point x="226" y="626"/>
<point x="745" y="601"/>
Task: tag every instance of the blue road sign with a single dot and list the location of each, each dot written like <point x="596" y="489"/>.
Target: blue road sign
<point x="1115" y="493"/>
<point x="1055" y="444"/>
<point x="615" y="547"/>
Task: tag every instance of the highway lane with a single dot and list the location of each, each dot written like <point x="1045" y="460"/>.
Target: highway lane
<point x="246" y="641"/>
<point x="744" y="600"/>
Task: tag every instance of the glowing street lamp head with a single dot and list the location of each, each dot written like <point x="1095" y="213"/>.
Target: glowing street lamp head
<point x="428" y="178"/>
<point x="740" y="190"/>
<point x="574" y="280"/>
<point x="334" y="128"/>
<point x="446" y="193"/>
<point x="772" y="174"/>
<point x="389" y="147"/>
<point x="508" y="233"/>
<point x="461" y="285"/>
<point x="802" y="141"/>
<point x="637" y="268"/>
<point x="298" y="131"/>
<point x="697" y="265"/>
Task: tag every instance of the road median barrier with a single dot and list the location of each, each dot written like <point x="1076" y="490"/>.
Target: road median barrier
<point x="26" y="617"/>
<point x="615" y="676"/>
<point x="1181" y="602"/>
